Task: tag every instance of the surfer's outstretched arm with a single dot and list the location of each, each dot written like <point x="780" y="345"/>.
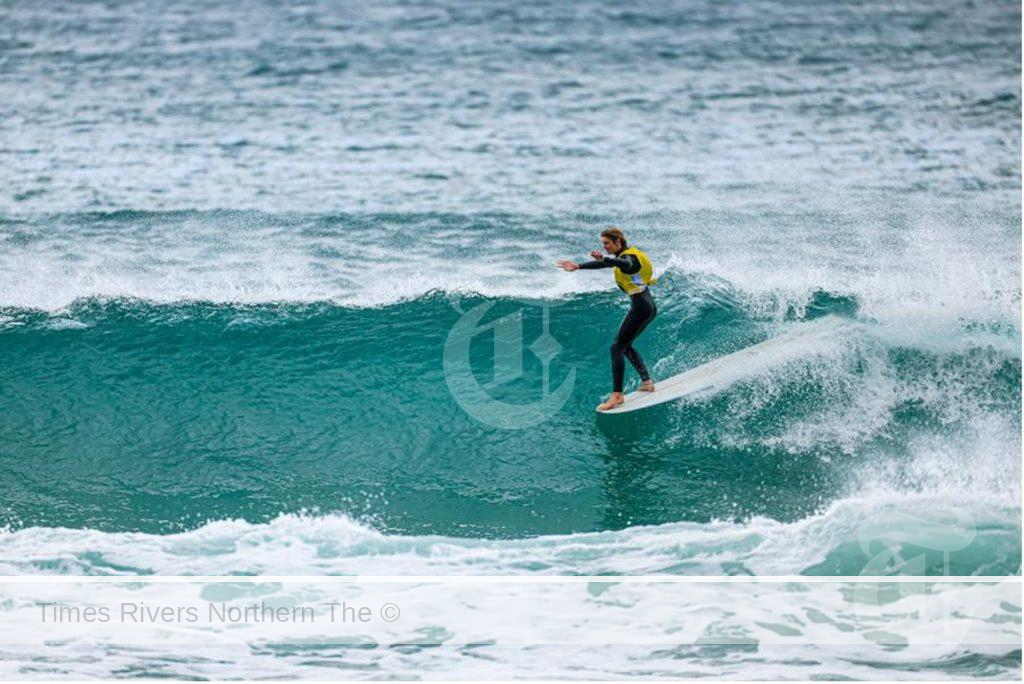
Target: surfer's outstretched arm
<point x="628" y="264"/>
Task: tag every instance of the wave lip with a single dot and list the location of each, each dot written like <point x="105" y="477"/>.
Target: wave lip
<point x="922" y="271"/>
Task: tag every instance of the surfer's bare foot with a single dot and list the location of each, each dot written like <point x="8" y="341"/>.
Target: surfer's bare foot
<point x="646" y="386"/>
<point x="614" y="400"/>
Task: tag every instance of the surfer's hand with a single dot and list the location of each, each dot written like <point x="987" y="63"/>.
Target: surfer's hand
<point x="597" y="254"/>
<point x="567" y="265"/>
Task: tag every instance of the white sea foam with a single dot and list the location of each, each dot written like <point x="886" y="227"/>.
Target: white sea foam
<point x="601" y="629"/>
<point x="606" y="628"/>
<point x="593" y="630"/>
<point x="336" y="544"/>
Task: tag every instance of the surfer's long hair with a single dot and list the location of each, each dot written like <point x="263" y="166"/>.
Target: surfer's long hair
<point x="616" y="234"/>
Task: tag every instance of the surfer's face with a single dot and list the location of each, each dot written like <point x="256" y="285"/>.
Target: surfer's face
<point x="610" y="246"/>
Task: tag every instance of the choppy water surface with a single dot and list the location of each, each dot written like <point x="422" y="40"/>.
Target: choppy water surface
<point x="234" y="245"/>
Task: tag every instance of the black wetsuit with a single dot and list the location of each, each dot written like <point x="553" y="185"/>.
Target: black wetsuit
<point x="641" y="312"/>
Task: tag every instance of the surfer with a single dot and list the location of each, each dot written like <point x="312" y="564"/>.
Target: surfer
<point x="633" y="273"/>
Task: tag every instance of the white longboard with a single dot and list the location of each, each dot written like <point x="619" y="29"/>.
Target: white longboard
<point x="716" y="375"/>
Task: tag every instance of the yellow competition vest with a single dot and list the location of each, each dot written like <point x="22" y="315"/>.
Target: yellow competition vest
<point x="631" y="284"/>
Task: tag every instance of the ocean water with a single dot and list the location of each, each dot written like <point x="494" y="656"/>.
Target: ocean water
<point x="235" y="242"/>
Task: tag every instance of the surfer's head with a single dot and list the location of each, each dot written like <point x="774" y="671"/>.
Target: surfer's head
<point x="613" y="240"/>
